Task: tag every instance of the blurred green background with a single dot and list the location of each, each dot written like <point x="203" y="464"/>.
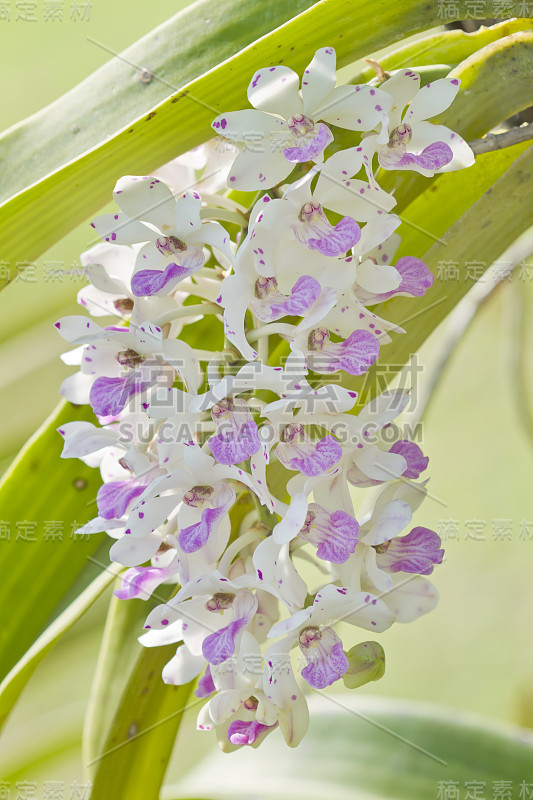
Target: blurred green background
<point x="475" y="652"/>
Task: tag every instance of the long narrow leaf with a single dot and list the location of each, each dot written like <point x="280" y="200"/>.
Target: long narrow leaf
<point x="445" y="47"/>
<point x="176" y="52"/>
<point x="137" y="750"/>
<point x="373" y="749"/>
<point x="13" y="684"/>
<point x="480" y="235"/>
<point x="43" y="499"/>
<point x="68" y="196"/>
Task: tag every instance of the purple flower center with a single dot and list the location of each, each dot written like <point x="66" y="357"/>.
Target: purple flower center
<point x="129" y="358"/>
<point x="170" y="245"/>
<point x="220" y="601"/>
<point x="318" y="338"/>
<point x="401" y="136"/>
<point x="198" y="495"/>
<point x="300" y="125"/>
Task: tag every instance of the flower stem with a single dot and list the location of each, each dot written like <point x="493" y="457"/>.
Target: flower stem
<point x="188" y="311"/>
<point x="279" y="329"/>
<point x="225" y="215"/>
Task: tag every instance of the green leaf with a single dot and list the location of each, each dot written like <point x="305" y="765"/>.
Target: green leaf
<point x="190" y="43"/>
<point x="427" y="218"/>
<point x="521" y="330"/>
<point x="480" y="235"/>
<point x="430" y="215"/>
<point x="65" y="198"/>
<point x="119" y="652"/>
<point x="370" y="749"/>
<point x="500" y="70"/>
<point x="137" y="750"/>
<point x="13" y="684"/>
<point x="444" y="47"/>
<point x="40" y="494"/>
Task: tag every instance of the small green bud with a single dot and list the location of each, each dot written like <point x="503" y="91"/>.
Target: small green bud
<point x="367" y="663"/>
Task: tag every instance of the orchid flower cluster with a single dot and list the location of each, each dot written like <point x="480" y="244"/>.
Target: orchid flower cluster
<point x="228" y="445"/>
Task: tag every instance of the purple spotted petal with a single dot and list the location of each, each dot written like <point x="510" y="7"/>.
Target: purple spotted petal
<point x="327" y="661"/>
<point x="335" y="535"/>
<point x="205" y="686"/>
<point x="312" y="149"/>
<point x="108" y="396"/>
<point x="418" y="552"/>
<point x="304" y="294"/>
<point x="141" y="580"/>
<point x="432" y="157"/>
<point x="417" y="462"/>
<point x="149" y="282"/>
<point x="114" y="498"/>
<point x="241" y="733"/>
<point x="311" y="459"/>
<point x="355" y="355"/>
<point x="219" y="646"/>
<point x="233" y="446"/>
<point x="195" y="536"/>
<point x="342" y="238"/>
<point x="416" y="279"/>
<point x="416" y="276"/>
<point x="344" y="532"/>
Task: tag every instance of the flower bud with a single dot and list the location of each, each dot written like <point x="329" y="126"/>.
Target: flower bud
<point x="367" y="663"/>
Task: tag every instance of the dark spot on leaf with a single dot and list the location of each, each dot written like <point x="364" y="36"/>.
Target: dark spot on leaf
<point x="132" y="730"/>
<point x="145" y="75"/>
<point x="79" y="484"/>
<point x="151" y="115"/>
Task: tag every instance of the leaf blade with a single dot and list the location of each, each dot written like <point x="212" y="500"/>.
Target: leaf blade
<point x="14" y="683"/>
<point x="171" y="54"/>
<point x="498" y="212"/>
<point x="38" y="570"/>
<point x="152" y="140"/>
<point x="370" y="748"/>
<point x="143" y="731"/>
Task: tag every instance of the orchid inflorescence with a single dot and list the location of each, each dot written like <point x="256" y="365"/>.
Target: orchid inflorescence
<point x="228" y="444"/>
